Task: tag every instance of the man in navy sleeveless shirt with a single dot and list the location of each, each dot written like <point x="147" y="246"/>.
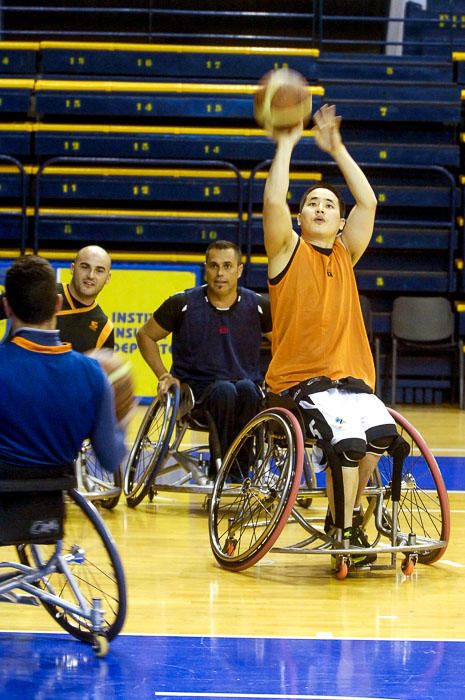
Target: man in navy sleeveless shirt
<point x="217" y="333"/>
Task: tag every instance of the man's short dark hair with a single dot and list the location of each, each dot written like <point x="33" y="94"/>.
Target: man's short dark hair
<point x="325" y="186"/>
<point x="224" y="245"/>
<point x="31" y="289"/>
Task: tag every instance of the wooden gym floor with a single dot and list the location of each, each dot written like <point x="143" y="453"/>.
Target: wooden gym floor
<point x="195" y="630"/>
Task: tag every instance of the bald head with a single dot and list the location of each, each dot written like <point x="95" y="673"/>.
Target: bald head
<point x="94" y="253"/>
<point x="91" y="271"/>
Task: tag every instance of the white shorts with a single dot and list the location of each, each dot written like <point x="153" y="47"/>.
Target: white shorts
<point x="343" y="416"/>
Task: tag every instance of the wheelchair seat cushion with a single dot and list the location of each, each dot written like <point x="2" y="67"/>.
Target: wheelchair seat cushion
<point x="32" y="503"/>
<point x="31" y="517"/>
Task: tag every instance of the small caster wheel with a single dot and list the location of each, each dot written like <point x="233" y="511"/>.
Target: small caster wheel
<point x="100" y="645"/>
<point x="230" y="547"/>
<point x="342" y="569"/>
<point x="407" y="566"/>
<point x="304" y="502"/>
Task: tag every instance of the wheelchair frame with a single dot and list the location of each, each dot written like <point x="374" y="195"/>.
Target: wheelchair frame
<point x="82" y="586"/>
<point x="94" y="483"/>
<point x="157" y="461"/>
<point x="408" y="512"/>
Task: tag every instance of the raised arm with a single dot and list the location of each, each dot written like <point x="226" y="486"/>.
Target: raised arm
<point x="279" y="237"/>
<point x="359" y="225"/>
<point x="147" y="340"/>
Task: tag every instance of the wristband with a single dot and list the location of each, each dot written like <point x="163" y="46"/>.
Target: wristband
<point x="163" y="376"/>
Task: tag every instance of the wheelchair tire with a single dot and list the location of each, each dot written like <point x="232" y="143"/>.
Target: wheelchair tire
<point x="95" y="564"/>
<point x="150" y="446"/>
<point x="99" y="486"/>
<point x="424" y="504"/>
<point x="251" y="504"/>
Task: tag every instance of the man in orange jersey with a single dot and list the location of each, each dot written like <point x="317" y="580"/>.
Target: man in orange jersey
<point x="320" y="352"/>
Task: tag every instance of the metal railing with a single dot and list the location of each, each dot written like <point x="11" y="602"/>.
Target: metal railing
<point x="395" y="27"/>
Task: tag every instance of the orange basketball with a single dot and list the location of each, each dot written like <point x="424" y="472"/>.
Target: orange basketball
<point x="282" y="100"/>
<point x="120" y="377"/>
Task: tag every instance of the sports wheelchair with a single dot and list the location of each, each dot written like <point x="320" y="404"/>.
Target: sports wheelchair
<point x="64" y="556"/>
<point x="158" y="461"/>
<point x="95" y="483"/>
<point x="259" y="490"/>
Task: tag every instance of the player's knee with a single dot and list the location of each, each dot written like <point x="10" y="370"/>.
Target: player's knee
<point x="350" y="452"/>
<point x="222" y="393"/>
<point x="381" y="439"/>
<point x="247" y="390"/>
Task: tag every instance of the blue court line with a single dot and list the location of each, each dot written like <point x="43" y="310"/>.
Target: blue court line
<point x="453" y="472"/>
<point x="36" y="666"/>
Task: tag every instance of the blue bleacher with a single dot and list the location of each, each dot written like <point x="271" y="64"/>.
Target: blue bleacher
<point x="164" y="230"/>
<point x="435" y="31"/>
<point x="15" y="140"/>
<point x="15" y="96"/>
<point x="137" y="185"/>
<point x="385" y="68"/>
<point x="399" y="102"/>
<point x="168" y="100"/>
<point x="168" y="97"/>
<point x="19" y="58"/>
<point x="235" y="144"/>
<point x="172" y="61"/>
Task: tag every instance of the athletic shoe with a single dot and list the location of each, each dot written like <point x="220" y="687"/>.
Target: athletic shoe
<point x="359" y="539"/>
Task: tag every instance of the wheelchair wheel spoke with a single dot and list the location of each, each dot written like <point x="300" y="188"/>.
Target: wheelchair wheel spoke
<point x="245" y="519"/>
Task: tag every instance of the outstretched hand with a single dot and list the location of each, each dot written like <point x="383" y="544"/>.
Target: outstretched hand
<point x="292" y="135"/>
<point x="327" y="129"/>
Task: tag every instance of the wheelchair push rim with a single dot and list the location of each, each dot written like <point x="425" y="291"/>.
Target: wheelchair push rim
<point x="150" y="446"/>
<point x="247" y="514"/>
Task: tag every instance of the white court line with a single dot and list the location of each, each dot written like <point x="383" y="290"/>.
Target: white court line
<point x="455" y="450"/>
<point x="448" y="562"/>
<point x="267" y="696"/>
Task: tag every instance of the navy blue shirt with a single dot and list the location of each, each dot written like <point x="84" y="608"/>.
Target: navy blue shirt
<point x="211" y="344"/>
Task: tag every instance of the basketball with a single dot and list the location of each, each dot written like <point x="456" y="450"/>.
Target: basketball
<point x="120" y="377"/>
<point x="282" y="100"/>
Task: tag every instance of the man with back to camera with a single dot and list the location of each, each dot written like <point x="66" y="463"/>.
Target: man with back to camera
<point x="217" y="332"/>
<point x="52" y="397"/>
<point x="320" y="351"/>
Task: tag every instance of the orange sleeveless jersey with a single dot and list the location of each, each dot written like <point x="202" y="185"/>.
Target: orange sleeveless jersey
<point x="318" y="327"/>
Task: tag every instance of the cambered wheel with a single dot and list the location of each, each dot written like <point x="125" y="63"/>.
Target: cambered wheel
<point x="90" y="554"/>
<point x="98" y="485"/>
<point x="150" y="446"/>
<point x="256" y="489"/>
<point x="423" y="505"/>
